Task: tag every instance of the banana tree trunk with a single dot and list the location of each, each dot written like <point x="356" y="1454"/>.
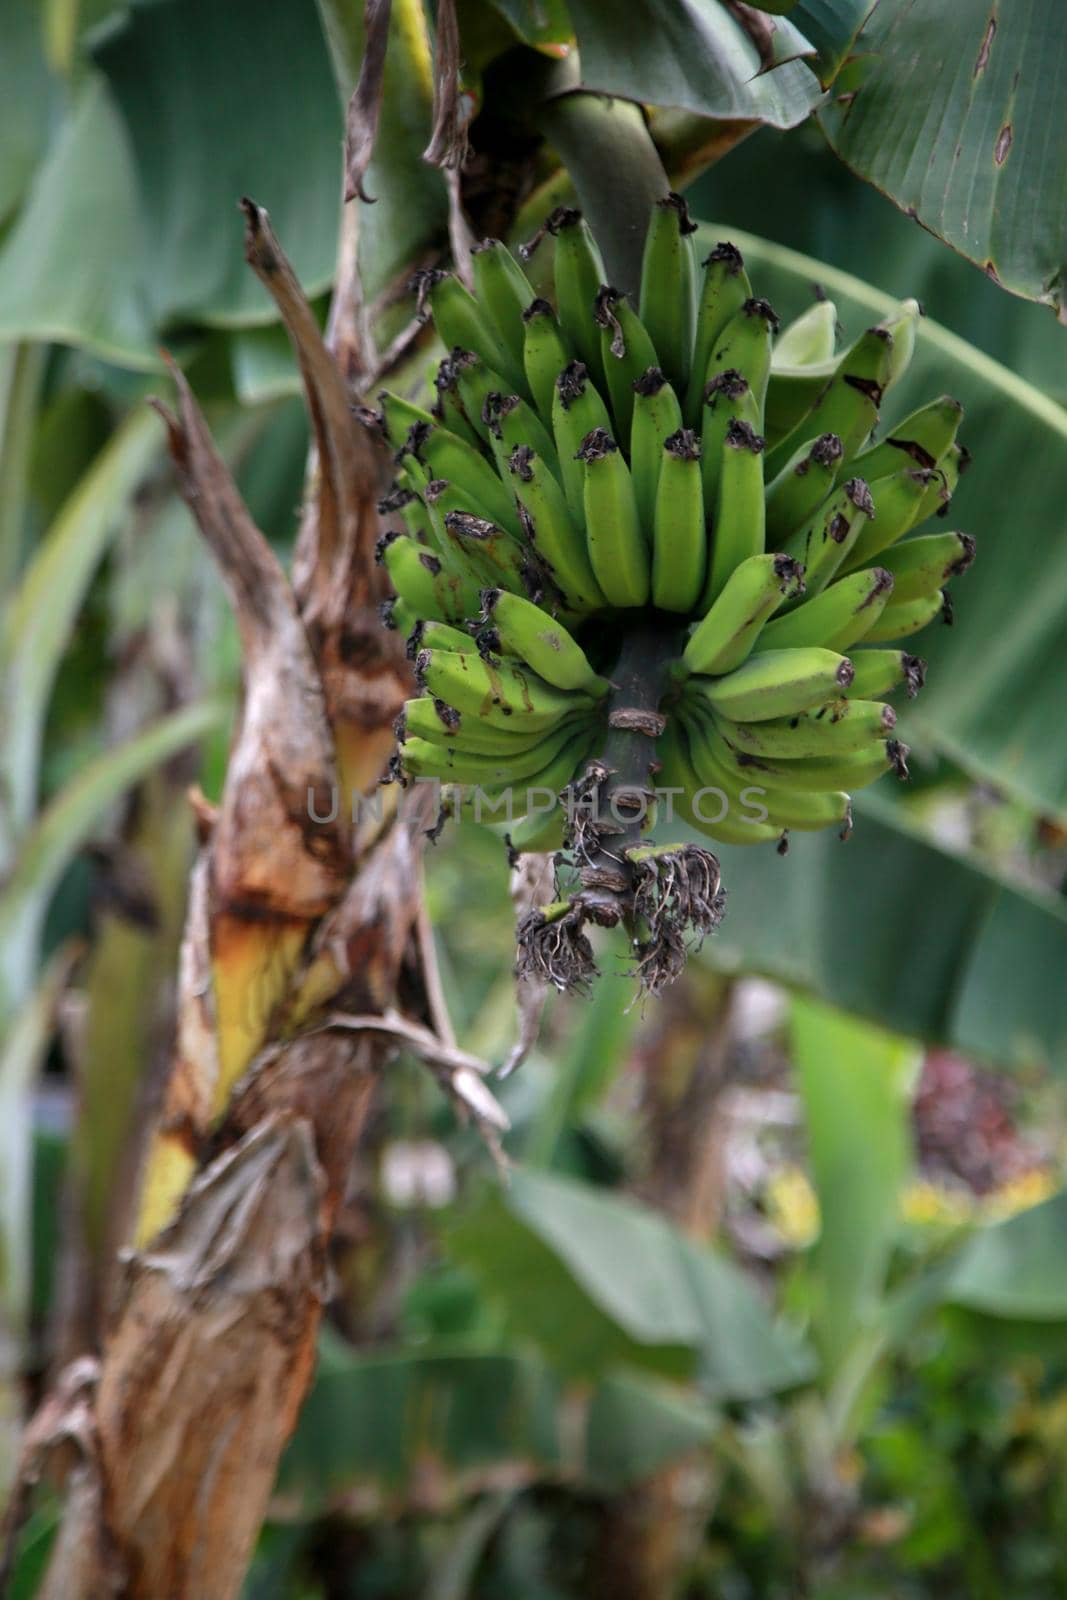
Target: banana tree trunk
<point x="178" y="1429"/>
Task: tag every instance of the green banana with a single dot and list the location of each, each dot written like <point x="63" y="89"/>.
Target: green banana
<point x="901" y="620"/>
<point x="727" y="399"/>
<point x="460" y="323"/>
<point x="898" y="501"/>
<point x="775" y="683"/>
<point x="825" y="542"/>
<point x="841" y="727"/>
<point x="618" y="548"/>
<point x="667" y="302"/>
<point x="817" y="773"/>
<point x="398" y="417"/>
<point x="724" y="637"/>
<point x="679" y="542"/>
<point x="836" y="618"/>
<point x="448" y="408"/>
<point x="918" y="440"/>
<point x="446" y="456"/>
<point x="478" y="546"/>
<point x="431" y="635"/>
<point x="545" y="353"/>
<point x="656" y="415"/>
<point x="805" y="810"/>
<point x="512" y="423"/>
<point x="845" y="402"/>
<point x="501" y="694"/>
<point x="553" y="533"/>
<point x="577" y="409"/>
<point x="626" y="352"/>
<point x="432" y="719"/>
<point x="723" y="291"/>
<point x="800" y="488"/>
<point x="515" y="626"/>
<point x="579" y="272"/>
<point x="943" y="481"/>
<point x="921" y="566"/>
<point x="423" y="758"/>
<point x="744" y="345"/>
<point x="879" y="672"/>
<point x="717" y="813"/>
<point x="420" y="578"/>
<point x="478" y="386"/>
<point x="737" y="527"/>
<point x="503" y="291"/>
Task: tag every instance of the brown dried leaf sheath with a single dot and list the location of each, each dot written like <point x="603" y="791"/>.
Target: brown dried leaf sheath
<point x="290" y="922"/>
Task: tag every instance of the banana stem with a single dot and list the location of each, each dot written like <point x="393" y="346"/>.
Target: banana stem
<point x="606" y="147"/>
<point x="620" y="804"/>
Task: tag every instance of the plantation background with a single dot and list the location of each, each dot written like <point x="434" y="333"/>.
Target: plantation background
<point x="774" y="1299"/>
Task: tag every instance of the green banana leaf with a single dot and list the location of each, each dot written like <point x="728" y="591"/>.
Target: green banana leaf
<point x="28" y="94"/>
<point x="595" y="1279"/>
<point x="62" y="828"/>
<point x="958" y="118"/>
<point x="693" y="55"/>
<point x="992" y="698"/>
<point x="794" y="185"/>
<point x="855" y="1084"/>
<point x="832" y="27"/>
<point x="264" y="122"/>
<point x="36" y="627"/>
<point x="373" y="1422"/>
<point x="1016" y="1269"/>
<point x="536" y="21"/>
<point x="904" y="932"/>
<point x="82" y="205"/>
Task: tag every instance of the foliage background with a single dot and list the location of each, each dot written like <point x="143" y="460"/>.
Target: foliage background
<point x="774" y="1301"/>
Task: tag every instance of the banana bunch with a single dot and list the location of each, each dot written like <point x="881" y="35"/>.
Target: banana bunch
<point x="654" y="558"/>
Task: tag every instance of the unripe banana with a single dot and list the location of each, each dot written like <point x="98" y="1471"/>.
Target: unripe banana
<point x="728" y="399"/>
<point x="837" y="618"/>
<point x="898" y="502"/>
<point x="737" y="526"/>
<point x="519" y="628"/>
<point x="775" y="683"/>
<point x="530" y="526"/>
<point x="846" y="403"/>
<point x="420" y="579"/>
<point x="679" y="542"/>
<point x="577" y="410"/>
<point x="744" y="345"/>
<point x="800" y="488"/>
<point x="726" y="816"/>
<point x="545" y="354"/>
<point x="579" y="272"/>
<point x="656" y="415"/>
<point x="668" y="288"/>
<point x="618" y="549"/>
<point x="446" y="456"/>
<point x="841" y="727"/>
<point x="502" y="694"/>
<point x="830" y="535"/>
<point x="879" y="672"/>
<point x="900" y="621"/>
<point x="918" y="440"/>
<point x="460" y="322"/>
<point x="724" y="638"/>
<point x="553" y="533"/>
<point x="626" y="351"/>
<point x="503" y="291"/>
<point x="923" y="565"/>
<point x="512" y="424"/>
<point x="723" y="291"/>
